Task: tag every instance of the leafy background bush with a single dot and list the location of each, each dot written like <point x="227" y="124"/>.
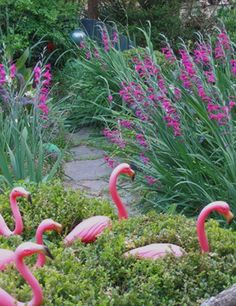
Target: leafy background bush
<point x="24" y="22"/>
<point x="98" y="274"/>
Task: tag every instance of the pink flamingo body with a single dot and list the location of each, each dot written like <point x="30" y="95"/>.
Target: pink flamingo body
<point x="8" y="257"/>
<point x="4" y="229"/>
<point x="158" y="250"/>
<point x="24" y="250"/>
<point x="88" y="230"/>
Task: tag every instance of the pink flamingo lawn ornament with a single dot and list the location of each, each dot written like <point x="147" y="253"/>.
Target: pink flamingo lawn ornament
<point x="158" y="250"/>
<point x="219" y="206"/>
<point x="24" y="250"/>
<point x="15" y="193"/>
<point x="88" y="230"/>
<point x="8" y="257"/>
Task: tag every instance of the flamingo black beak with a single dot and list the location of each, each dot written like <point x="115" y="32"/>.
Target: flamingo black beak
<point x="47" y="252"/>
<point x="29" y="198"/>
<point x="132" y="175"/>
<point x="229" y="217"/>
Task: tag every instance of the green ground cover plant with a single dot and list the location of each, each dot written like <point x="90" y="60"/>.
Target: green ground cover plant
<point x="98" y="273"/>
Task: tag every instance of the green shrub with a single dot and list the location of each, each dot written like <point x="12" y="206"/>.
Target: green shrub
<point x="53" y="201"/>
<point x="228" y="16"/>
<point x="164" y="15"/>
<point x="98" y="274"/>
<point x="24" y="22"/>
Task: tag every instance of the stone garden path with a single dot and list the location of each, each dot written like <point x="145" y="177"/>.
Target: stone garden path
<point x="87" y="170"/>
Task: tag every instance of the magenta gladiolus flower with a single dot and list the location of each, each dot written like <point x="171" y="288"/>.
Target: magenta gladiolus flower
<point x="44" y="108"/>
<point x="232" y="104"/>
<point x="144" y="159"/>
<point x="169" y="54"/>
<point x="233" y="67"/>
<point x="88" y="55"/>
<point x="141" y="115"/>
<point x="37" y="74"/>
<point x="177" y="93"/>
<point x="12" y="71"/>
<point x="141" y="140"/>
<point x="187" y="63"/>
<point x="185" y="79"/>
<point x="150" y="180"/>
<point x="105" y="41"/>
<point x="115" y="37"/>
<point x="110" y="162"/>
<point x="96" y="53"/>
<point x="2" y="75"/>
<point x="126" y="124"/>
<point x="110" y="98"/>
<point x="202" y="94"/>
<point x="82" y="45"/>
<point x="202" y="54"/>
<point x="115" y="137"/>
<point x="210" y="76"/>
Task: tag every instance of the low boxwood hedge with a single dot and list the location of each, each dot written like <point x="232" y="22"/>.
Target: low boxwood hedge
<point x="98" y="273"/>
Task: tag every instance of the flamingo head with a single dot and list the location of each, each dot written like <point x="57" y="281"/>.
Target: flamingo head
<point x="29" y="248"/>
<point x="224" y="209"/>
<point x="126" y="169"/>
<point x="19" y="192"/>
<point x="51" y="225"/>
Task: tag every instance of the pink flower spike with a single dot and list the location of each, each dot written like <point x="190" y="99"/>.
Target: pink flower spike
<point x="12" y="71"/>
<point x="110" y="162"/>
<point x="110" y="98"/>
<point x="2" y="75"/>
<point x="210" y="76"/>
<point x="232" y="104"/>
<point x="150" y="180"/>
<point x="233" y="67"/>
<point x="44" y="108"/>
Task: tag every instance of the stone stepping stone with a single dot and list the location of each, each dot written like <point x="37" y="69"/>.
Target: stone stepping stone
<point x="86" y="169"/>
<point x="85" y="152"/>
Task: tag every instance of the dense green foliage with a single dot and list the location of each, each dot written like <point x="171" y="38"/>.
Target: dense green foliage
<point x="165" y="17"/>
<point x="24" y="22"/>
<point x="98" y="274"/>
<point x="228" y="17"/>
<point x="52" y="201"/>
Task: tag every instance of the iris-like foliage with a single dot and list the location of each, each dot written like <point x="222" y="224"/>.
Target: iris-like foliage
<point x="176" y="122"/>
<point x="25" y="122"/>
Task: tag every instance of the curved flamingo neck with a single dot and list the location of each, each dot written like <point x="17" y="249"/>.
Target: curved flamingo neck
<point x="202" y="238"/>
<point x="17" y="216"/>
<point x="37" y="298"/>
<point x="39" y="240"/>
<point x="122" y="212"/>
